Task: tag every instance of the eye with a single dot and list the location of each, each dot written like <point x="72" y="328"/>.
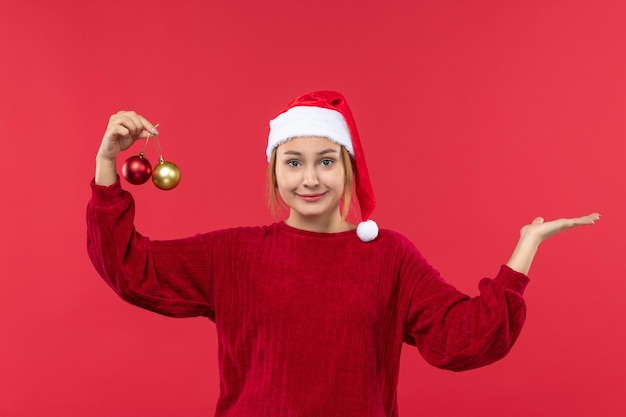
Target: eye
<point x="293" y="163"/>
<point x="327" y="162"/>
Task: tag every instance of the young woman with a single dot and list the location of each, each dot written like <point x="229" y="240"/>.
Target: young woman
<point x="311" y="312"/>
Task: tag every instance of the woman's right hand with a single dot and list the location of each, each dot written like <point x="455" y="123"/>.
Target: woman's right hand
<point x="124" y="128"/>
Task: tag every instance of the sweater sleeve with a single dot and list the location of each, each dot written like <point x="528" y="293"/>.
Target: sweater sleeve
<point x="457" y="332"/>
<point x="168" y="277"/>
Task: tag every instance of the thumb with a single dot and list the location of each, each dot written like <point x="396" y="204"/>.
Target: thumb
<point x="538" y="220"/>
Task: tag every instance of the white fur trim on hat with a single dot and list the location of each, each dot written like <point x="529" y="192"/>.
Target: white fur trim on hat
<point x="301" y="121"/>
<point x="367" y="230"/>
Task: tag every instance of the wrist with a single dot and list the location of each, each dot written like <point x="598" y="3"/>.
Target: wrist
<point x="100" y="158"/>
<point x="106" y="173"/>
<point x="529" y="241"/>
<point x="524" y="253"/>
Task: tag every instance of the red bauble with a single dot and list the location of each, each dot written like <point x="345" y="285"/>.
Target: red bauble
<point x="137" y="169"/>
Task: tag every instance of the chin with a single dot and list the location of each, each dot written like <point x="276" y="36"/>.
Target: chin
<point x="310" y="212"/>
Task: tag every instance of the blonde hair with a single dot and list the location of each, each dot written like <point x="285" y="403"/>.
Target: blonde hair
<point x="276" y="203"/>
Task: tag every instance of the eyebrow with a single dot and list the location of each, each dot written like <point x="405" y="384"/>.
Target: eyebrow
<point x="324" y="152"/>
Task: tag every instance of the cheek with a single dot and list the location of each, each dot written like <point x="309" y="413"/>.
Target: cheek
<point x="283" y="178"/>
<point x="336" y="179"/>
<point x="284" y="195"/>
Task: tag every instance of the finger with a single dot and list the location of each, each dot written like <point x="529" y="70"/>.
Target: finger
<point x="585" y="220"/>
<point x="125" y="120"/>
<point x="149" y="129"/>
<point x="120" y="130"/>
<point x="538" y="220"/>
<point x="138" y="125"/>
<point x="592" y="218"/>
<point x="133" y="122"/>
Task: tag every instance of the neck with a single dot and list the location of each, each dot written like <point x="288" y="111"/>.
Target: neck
<point x="329" y="224"/>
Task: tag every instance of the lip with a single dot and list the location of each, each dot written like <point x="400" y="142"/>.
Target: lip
<point x="311" y="198"/>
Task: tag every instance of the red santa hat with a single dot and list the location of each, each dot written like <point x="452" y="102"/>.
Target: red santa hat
<point x="326" y="114"/>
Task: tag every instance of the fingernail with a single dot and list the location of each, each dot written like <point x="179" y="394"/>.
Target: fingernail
<point x="156" y="132"/>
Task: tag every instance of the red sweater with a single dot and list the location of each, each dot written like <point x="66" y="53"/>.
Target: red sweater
<point x="308" y="324"/>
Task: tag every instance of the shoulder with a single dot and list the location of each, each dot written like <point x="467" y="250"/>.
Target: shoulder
<point x="392" y="237"/>
<point x="409" y="263"/>
<point x="401" y="247"/>
<point x="391" y="244"/>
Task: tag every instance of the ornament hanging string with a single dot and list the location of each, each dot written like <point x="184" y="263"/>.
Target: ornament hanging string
<point x="145" y="145"/>
<point x="159" y="150"/>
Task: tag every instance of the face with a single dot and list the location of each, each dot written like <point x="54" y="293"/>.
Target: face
<point x="311" y="177"/>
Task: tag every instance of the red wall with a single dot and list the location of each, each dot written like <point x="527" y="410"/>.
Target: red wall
<point x="475" y="117"/>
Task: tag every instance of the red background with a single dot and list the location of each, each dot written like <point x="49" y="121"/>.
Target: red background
<point x="475" y="118"/>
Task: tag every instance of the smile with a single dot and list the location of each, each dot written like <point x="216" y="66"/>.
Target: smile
<point x="311" y="198"/>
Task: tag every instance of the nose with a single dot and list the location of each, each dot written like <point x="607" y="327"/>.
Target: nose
<point x="310" y="178"/>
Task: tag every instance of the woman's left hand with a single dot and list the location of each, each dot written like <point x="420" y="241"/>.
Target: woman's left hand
<point x="539" y="230"/>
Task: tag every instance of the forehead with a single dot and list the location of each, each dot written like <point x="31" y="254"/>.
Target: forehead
<point x="308" y="144"/>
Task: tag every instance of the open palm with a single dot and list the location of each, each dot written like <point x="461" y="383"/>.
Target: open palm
<point x="540" y="230"/>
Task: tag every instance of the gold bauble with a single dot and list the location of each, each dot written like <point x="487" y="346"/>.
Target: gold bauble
<point x="166" y="175"/>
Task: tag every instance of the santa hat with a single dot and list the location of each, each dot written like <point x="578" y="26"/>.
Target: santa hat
<point x="326" y="114"/>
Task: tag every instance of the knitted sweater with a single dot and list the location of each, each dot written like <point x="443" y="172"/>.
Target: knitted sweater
<point x="308" y="324"/>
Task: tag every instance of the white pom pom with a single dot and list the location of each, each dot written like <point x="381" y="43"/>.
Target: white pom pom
<point x="367" y="230"/>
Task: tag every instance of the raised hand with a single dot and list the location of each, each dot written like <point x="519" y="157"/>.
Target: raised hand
<point x="124" y="128"/>
<point x="539" y="230"/>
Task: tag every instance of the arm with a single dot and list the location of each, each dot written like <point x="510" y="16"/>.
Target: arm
<point x="168" y="277"/>
<point x="457" y="332"/>
<point x="173" y="277"/>
<point x="533" y="234"/>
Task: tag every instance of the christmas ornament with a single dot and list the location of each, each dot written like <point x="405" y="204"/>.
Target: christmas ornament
<point x="137" y="169"/>
<point x="166" y="175"/>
